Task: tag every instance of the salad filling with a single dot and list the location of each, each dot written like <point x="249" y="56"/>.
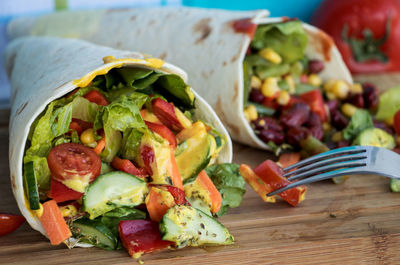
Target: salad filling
<point x="121" y="162"/>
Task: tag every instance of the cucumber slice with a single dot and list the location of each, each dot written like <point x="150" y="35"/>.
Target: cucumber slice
<point x="187" y="226"/>
<point x="94" y="232"/>
<point x="31" y="186"/>
<point x="375" y="137"/>
<point x="395" y="185"/>
<point x="112" y="190"/>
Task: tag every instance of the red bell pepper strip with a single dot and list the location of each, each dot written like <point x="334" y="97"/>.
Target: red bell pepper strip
<point x="271" y="173"/>
<point x="165" y="112"/>
<point x="315" y="101"/>
<point x="163" y="131"/>
<point x="61" y="193"/>
<point x="9" y="223"/>
<point x="96" y="97"/>
<point x="128" y="167"/>
<point x="141" y="236"/>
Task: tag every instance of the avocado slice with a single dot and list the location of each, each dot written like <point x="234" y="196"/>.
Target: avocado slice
<point x="375" y="137"/>
<point x="196" y="156"/>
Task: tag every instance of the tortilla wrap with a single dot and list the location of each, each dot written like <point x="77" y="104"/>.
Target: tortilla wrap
<point x="202" y="41"/>
<point x="44" y="69"/>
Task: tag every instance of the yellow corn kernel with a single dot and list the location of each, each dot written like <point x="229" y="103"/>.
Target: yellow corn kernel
<point x="68" y="210"/>
<point x="328" y="85"/>
<point x="356" y="88"/>
<point x="349" y="109"/>
<point x="340" y="89"/>
<point x="390" y="121"/>
<point x="261" y="123"/>
<point x="270" y="87"/>
<point x="283" y="98"/>
<point x="337" y="137"/>
<point x="326" y="126"/>
<point x="255" y="82"/>
<point x="330" y="95"/>
<point x="250" y="113"/>
<point x="292" y="87"/>
<point x="270" y="55"/>
<point x="38" y="212"/>
<point x="87" y="136"/>
<point x="314" y="80"/>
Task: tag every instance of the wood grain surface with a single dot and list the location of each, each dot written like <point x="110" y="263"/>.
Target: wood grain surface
<point x="353" y="223"/>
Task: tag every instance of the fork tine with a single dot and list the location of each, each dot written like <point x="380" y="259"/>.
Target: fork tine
<point x="319" y="170"/>
<point x="352" y="157"/>
<point x="326" y="175"/>
<point x="332" y="153"/>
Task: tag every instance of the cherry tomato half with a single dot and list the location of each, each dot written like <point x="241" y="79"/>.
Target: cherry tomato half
<point x="10" y="222"/>
<point x="69" y="160"/>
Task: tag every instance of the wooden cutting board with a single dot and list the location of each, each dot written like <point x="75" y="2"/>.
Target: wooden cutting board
<point x="357" y="222"/>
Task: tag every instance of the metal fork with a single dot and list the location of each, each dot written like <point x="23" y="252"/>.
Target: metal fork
<point x="343" y="161"/>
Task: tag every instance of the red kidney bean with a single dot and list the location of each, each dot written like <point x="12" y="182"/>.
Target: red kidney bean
<point x="370" y="95"/>
<point x="332" y="105"/>
<point x="295" y="134"/>
<point x="256" y="96"/>
<point x="267" y="123"/>
<point x="383" y="126"/>
<point x="315" y="66"/>
<point x="331" y="145"/>
<point x="338" y="120"/>
<point x="343" y="143"/>
<point x="296" y="115"/>
<point x="270" y="135"/>
<point x="357" y="100"/>
<point x="314" y="124"/>
<point x="397" y="150"/>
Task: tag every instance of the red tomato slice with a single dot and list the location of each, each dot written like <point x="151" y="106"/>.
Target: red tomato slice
<point x="61" y="193"/>
<point x="141" y="236"/>
<point x="163" y="131"/>
<point x="128" y="167"/>
<point x="71" y="160"/>
<point x="9" y="223"/>
<point x="96" y="97"/>
<point x="315" y="101"/>
<point x="397" y="122"/>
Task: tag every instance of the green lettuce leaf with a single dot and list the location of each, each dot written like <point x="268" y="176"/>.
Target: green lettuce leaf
<point x="117" y="117"/>
<point x="389" y="104"/>
<point x="130" y="75"/>
<point x="175" y="89"/>
<point x="360" y="121"/>
<point x="230" y="184"/>
<point x="288" y="39"/>
<point x="130" y="143"/>
<point x="84" y="110"/>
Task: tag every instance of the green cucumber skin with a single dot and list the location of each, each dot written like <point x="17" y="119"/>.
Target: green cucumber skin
<point x="31" y="186"/>
<point x="206" y="224"/>
<point x="395" y="185"/>
<point x="81" y="229"/>
<point x="110" y="204"/>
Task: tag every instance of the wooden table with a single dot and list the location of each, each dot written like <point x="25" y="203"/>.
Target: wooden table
<point x="357" y="222"/>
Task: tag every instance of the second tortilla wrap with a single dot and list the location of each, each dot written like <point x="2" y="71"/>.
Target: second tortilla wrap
<point x="202" y="41"/>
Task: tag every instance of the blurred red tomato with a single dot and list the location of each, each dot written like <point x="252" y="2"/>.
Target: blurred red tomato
<point x="367" y="32"/>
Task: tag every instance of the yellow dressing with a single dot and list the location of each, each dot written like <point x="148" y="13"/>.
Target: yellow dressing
<point x="78" y="182"/>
